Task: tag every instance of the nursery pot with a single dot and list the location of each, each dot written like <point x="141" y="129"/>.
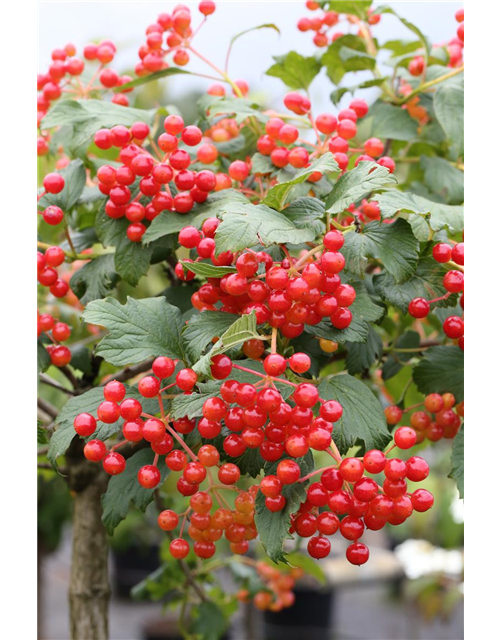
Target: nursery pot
<point x="309" y="617"/>
<point x="132" y="565"/>
<point x="164" y="629"/>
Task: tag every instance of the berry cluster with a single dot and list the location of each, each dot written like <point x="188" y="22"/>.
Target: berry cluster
<point x="437" y="420"/>
<point x="257" y="416"/>
<point x="65" y="76"/>
<point x="287" y="295"/>
<point x="344" y="490"/>
<point x="170" y="35"/>
<point x="158" y="173"/>
<point x="47" y="264"/>
<point x="322" y="24"/>
<point x="277" y="593"/>
<point x="453" y="282"/>
<point x="333" y="133"/>
<point x="60" y="355"/>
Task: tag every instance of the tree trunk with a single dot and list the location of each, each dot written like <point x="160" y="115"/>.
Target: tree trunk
<point x="89" y="590"/>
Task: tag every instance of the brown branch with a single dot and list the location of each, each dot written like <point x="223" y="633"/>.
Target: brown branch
<point x="71" y="377"/>
<point x="48" y="408"/>
<point x="52" y="383"/>
<point x="131" y="372"/>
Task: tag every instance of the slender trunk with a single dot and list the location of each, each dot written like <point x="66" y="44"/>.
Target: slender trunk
<point x="89" y="590"/>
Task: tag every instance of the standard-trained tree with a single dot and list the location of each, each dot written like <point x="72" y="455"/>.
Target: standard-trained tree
<point x="302" y="344"/>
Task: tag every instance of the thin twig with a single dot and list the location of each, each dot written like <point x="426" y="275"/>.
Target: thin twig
<point x="52" y="383"/>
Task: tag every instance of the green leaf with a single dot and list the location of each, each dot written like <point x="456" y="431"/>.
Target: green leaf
<point x="132" y="259"/>
<point x="393" y="244"/>
<point x="409" y="25"/>
<point x="209" y="622"/>
<point x="357" y="8"/>
<point x="273" y="527"/>
<point x="457" y="461"/>
<point x="189" y="405"/>
<point x="441" y="371"/>
<point x="386" y="121"/>
<point x="347" y="53"/>
<point x="357" y="184"/>
<point x="426" y="282"/>
<point x="138" y="329"/>
<point x="96" y="279"/>
<point x="169" y="222"/>
<point x="239" y="108"/>
<point x="392" y="366"/>
<point x="249" y="463"/>
<point x="246" y="225"/>
<point x="43" y="357"/>
<point x="363" y="310"/>
<point x="268" y="25"/>
<point x="262" y="165"/>
<point x="207" y="270"/>
<point x="307" y="213"/>
<point x="85" y="117"/>
<point x="361" y="356"/>
<point x="296" y="71"/>
<point x="443" y="178"/>
<point x="245" y="328"/>
<point x="362" y="420"/>
<point x="278" y="195"/>
<point x="124" y="489"/>
<point x="41" y="435"/>
<point x="337" y="95"/>
<point x="440" y="216"/>
<point x="74" y="175"/>
<point x="203" y="328"/>
<point x="151" y="77"/>
<point x="449" y="110"/>
<point x="80" y="358"/>
<point x="310" y="567"/>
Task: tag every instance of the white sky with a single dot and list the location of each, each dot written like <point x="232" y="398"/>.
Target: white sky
<point x="125" y="23"/>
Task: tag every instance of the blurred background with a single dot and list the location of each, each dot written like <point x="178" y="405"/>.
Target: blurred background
<point x="412" y="588"/>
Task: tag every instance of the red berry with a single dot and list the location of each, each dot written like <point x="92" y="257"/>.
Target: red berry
<point x="85" y="424"/>
<point x="149" y="476"/>
<point x="94" y="450"/>
<point x="405" y="437"/>
<point x="168" y="520"/>
<point x="114" y="463"/>
<point x="319" y="547"/>
<point x="357" y="553"/>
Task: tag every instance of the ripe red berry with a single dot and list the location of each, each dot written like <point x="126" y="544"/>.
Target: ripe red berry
<point x="274" y="364"/>
<point x="422" y="500"/>
<point x="108" y="412"/>
<point x="374" y="461"/>
<point x="179" y="548"/>
<point x="149" y="476"/>
<point x="53" y="183"/>
<point x="393" y="414"/>
<point x="149" y="386"/>
<point x="357" y="553"/>
<point x="114" y="391"/>
<point x="163" y="367"/>
<point x="85" y="424"/>
<point x="288" y="471"/>
<point x="319" y="547"/>
<point x="168" y="520"/>
<point x="94" y="450"/>
<point x="114" y="463"/>
<point x="405" y="437"/>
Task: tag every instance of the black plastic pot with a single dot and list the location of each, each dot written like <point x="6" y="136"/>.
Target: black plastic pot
<point x="132" y="565"/>
<point x="310" y="617"/>
<point x="163" y="629"/>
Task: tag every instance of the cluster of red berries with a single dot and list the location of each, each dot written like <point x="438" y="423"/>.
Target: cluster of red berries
<point x="455" y="49"/>
<point x="437" y="420"/>
<point x="277" y="593"/>
<point x="65" y="68"/>
<point x="322" y="24"/>
<point x="47" y="264"/>
<point x="344" y="490"/>
<point x="155" y="173"/>
<point x="288" y="295"/>
<point x="333" y="133"/>
<point x="453" y="282"/>
<point x="169" y="35"/>
<point x="60" y="355"/>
